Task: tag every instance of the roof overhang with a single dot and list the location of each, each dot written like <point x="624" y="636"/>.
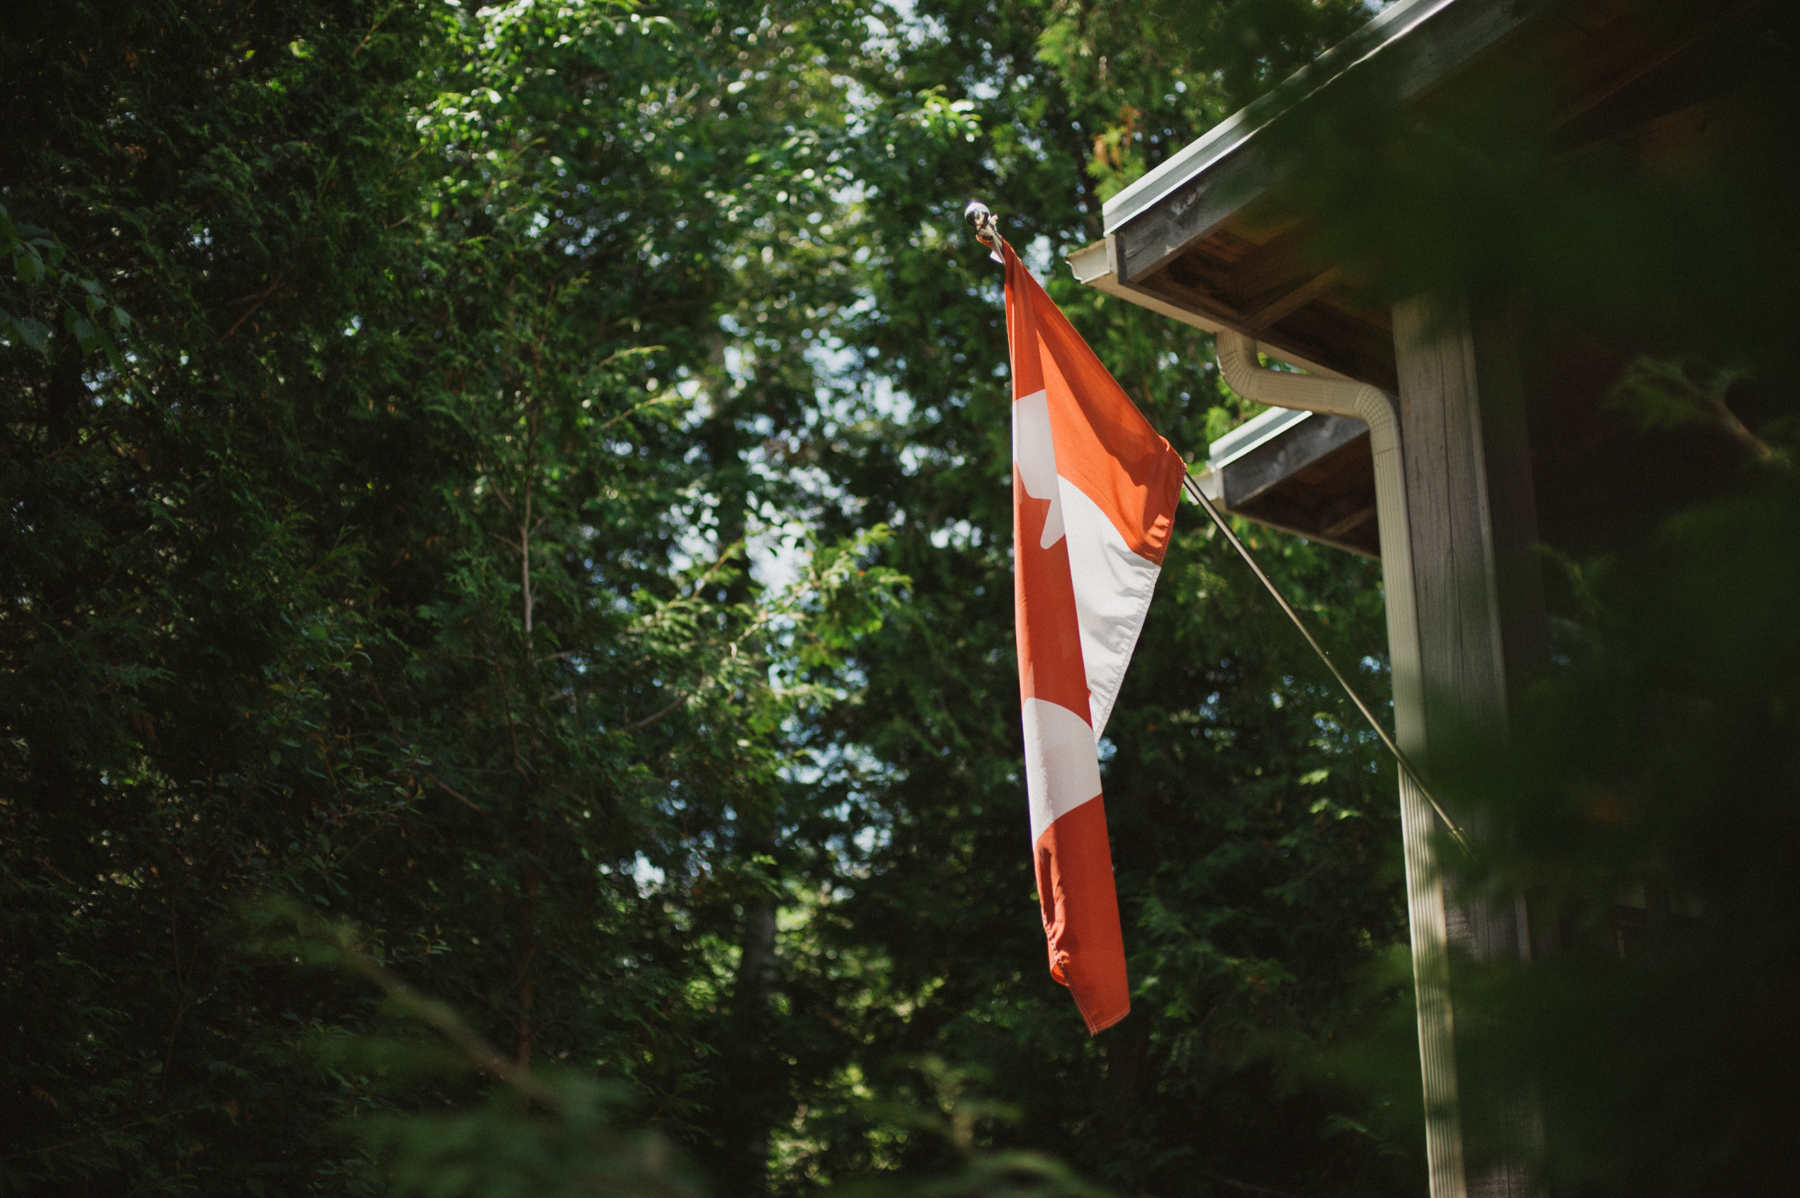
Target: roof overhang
<point x="1206" y="239"/>
<point x="1187" y="238"/>
<point x="1433" y="36"/>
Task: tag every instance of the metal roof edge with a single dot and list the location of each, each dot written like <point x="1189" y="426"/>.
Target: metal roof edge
<point x="1386" y="28"/>
<point x="1254" y="432"/>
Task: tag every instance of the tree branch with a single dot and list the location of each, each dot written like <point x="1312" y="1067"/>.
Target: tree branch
<point x="440" y="1016"/>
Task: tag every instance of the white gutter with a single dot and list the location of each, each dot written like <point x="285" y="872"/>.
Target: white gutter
<point x="1424" y="887"/>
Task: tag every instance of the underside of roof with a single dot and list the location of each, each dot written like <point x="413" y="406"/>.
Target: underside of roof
<point x="1203" y="239"/>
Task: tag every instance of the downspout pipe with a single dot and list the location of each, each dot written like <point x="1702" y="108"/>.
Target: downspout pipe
<point x="1424" y="888"/>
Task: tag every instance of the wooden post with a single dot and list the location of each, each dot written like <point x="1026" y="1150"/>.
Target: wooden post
<point x="1483" y="634"/>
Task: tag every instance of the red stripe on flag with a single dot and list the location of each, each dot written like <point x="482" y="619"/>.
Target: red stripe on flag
<point x="1103" y="443"/>
<point x="1049" y="634"/>
<point x="1021" y="331"/>
<point x="1081" y="914"/>
<point x="1072" y="858"/>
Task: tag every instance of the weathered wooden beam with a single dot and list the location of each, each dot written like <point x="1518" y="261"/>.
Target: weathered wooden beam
<point x="1193" y="212"/>
<point x="1270" y="465"/>
<point x="1474" y="528"/>
<point x="1478" y="592"/>
<point x="1265" y="310"/>
<point x="1354" y="520"/>
<point x="1093" y="266"/>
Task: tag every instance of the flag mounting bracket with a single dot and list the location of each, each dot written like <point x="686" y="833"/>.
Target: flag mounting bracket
<point x="987" y="227"/>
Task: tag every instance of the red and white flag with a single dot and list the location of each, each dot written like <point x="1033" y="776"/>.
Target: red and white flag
<point x="1094" y="494"/>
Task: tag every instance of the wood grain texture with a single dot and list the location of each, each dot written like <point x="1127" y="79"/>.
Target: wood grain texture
<point x="1477" y="585"/>
<point x="1192" y="211"/>
<point x="1446" y="484"/>
<point x="1474" y="527"/>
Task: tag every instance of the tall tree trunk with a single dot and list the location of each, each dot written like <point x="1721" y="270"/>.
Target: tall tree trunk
<point x="752" y="1094"/>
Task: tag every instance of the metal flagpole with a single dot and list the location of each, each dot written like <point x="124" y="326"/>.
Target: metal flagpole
<point x="987" y="231"/>
<point x="1192" y="487"/>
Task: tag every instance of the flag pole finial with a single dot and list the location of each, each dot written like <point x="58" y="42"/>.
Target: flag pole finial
<point x="987" y="228"/>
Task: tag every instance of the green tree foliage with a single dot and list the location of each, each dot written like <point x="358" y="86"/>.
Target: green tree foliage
<point x="1253" y="832"/>
<point x="1659" y="763"/>
<point x="379" y="597"/>
<point x="1148" y="77"/>
<point x="396" y="567"/>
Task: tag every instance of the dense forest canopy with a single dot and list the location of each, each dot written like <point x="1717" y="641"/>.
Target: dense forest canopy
<point x="508" y="678"/>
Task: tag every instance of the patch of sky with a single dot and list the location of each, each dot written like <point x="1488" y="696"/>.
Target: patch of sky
<point x="914" y="458"/>
<point x="779" y="553"/>
<point x="959" y="535"/>
<point x="879" y="42"/>
<point x="852" y="765"/>
<point x="738" y="364"/>
<point x="872" y="839"/>
<point x="1030" y="140"/>
<point x="919" y="29"/>
<point x="889" y="403"/>
<point x="699" y="402"/>
<point x="840" y="368"/>
<point x="698" y="541"/>
<point x="647" y="876"/>
<point x="851" y="193"/>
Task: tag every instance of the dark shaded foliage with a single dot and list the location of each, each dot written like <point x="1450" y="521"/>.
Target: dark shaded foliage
<point x="391" y="570"/>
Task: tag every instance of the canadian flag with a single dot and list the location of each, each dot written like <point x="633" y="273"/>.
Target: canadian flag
<point x="1094" y="494"/>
